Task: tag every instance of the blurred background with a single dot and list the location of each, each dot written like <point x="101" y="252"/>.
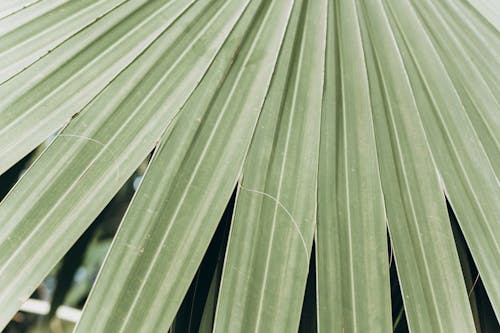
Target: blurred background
<point x="56" y="305"/>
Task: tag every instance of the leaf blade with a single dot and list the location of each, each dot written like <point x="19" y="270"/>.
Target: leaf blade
<point x="100" y="149"/>
<point x="351" y="235"/>
<point x="272" y="229"/>
<point x="198" y="185"/>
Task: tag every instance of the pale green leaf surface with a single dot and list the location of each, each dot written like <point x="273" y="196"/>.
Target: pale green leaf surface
<point x="432" y="286"/>
<point x="271" y="236"/>
<point x="488" y="9"/>
<point x="8" y="7"/>
<point x="29" y="34"/>
<point x="41" y="99"/>
<point x="343" y="106"/>
<point x="478" y="98"/>
<point x="351" y="244"/>
<point x="165" y="233"/>
<point x="465" y="171"/>
<point x="474" y="33"/>
<point x="90" y="160"/>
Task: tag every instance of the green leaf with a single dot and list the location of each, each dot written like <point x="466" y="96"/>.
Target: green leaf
<point x="477" y="94"/>
<point x="353" y="273"/>
<point x="334" y="119"/>
<point x="272" y="230"/>
<point x="465" y="172"/>
<point x="165" y="233"/>
<point x="41" y="99"/>
<point x="9" y="7"/>
<point x="29" y="34"/>
<point x="97" y="152"/>
<point x="433" y="290"/>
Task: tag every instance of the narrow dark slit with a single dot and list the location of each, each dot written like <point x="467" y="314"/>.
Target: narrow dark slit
<point x="482" y="310"/>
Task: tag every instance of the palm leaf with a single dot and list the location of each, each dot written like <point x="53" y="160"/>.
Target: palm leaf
<point x="272" y="230"/>
<point x="351" y="235"/>
<point x="334" y="120"/>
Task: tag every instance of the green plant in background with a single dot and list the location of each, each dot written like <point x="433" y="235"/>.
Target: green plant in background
<point x="336" y="123"/>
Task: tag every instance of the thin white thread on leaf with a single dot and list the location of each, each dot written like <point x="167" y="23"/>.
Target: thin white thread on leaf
<point x="99" y="143"/>
<point x="292" y="219"/>
<point x="473" y="285"/>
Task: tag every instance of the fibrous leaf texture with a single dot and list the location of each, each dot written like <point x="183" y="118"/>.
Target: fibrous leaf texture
<point x="337" y="122"/>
